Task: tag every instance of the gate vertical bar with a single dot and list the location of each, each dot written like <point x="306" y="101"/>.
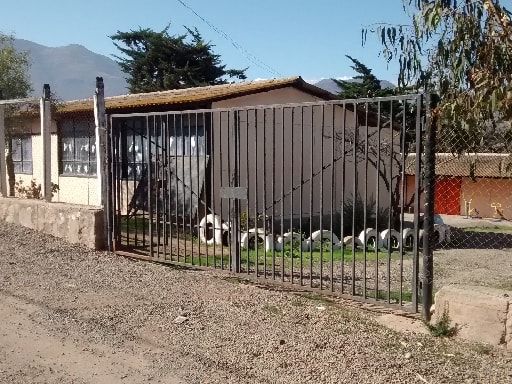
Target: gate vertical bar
<point x="377" y="199"/>
<point x="333" y="188"/>
<point x="416" y="220"/>
<point x="292" y="127"/>
<point x="150" y="188"/>
<point x="354" y="196"/>
<point x="108" y="185"/>
<point x="3" y="173"/>
<point x="235" y="204"/>
<point x="301" y="159"/>
<point x="365" y="213"/>
<point x="391" y="214"/>
<point x="428" y="224"/>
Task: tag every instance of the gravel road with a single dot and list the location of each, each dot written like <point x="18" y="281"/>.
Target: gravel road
<point x="71" y="315"/>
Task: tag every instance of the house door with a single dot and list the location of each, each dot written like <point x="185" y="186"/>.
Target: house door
<point x="447" y="195"/>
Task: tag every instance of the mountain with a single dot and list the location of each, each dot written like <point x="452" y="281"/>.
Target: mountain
<point x="331" y="86"/>
<point x="71" y="70"/>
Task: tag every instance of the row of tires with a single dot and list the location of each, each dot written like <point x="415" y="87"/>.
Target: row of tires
<point x="212" y="231"/>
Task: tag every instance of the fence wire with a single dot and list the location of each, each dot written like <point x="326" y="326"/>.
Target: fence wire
<point x="473" y="188"/>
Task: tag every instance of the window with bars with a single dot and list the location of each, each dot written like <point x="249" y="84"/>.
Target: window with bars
<point x="77" y="148"/>
<point x="172" y="135"/>
<point x="22" y="154"/>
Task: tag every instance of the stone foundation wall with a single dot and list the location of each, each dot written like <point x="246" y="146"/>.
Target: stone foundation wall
<point x="482" y="314"/>
<point x="75" y="223"/>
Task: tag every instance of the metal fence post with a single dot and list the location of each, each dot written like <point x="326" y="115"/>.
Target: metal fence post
<point x="428" y="223"/>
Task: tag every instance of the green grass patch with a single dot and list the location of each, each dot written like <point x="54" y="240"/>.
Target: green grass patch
<point x="482" y="348"/>
<point x="273" y="309"/>
<point x="394" y="296"/>
<point x="507" y="285"/>
<point x="345" y="254"/>
<point x="133" y="223"/>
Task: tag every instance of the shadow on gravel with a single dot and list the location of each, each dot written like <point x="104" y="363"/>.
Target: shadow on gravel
<point x="467" y="239"/>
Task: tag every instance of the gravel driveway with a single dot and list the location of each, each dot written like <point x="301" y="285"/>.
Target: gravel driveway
<point x="71" y="315"/>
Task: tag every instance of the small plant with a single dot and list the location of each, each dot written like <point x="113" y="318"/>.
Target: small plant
<point x="353" y="213"/>
<point x="246" y="221"/>
<point x="33" y="191"/>
<point x="292" y="248"/>
<point x="482" y="349"/>
<point x="442" y="326"/>
<point x="272" y="309"/>
<point x="243" y="221"/>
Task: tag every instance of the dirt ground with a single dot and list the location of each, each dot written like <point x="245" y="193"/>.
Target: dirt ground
<point x="71" y="315"/>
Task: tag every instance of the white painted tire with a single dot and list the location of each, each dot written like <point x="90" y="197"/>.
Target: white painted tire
<point x="290" y="237"/>
<point x="370" y="238"/>
<point x="268" y="240"/>
<point x="322" y="235"/>
<point x="408" y="238"/>
<point x="390" y="237"/>
<point x="440" y="229"/>
<point x="352" y="242"/>
<point x="447" y="235"/>
<point x="420" y="238"/>
<point x="215" y="222"/>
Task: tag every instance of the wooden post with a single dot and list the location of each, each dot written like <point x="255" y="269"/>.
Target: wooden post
<point x="45" y="108"/>
<point x="102" y="164"/>
<point x="3" y="169"/>
<point x="100" y="131"/>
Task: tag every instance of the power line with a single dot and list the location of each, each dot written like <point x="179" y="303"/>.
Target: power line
<point x="249" y="56"/>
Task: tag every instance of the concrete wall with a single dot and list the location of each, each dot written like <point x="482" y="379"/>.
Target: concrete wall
<point x="481" y="314"/>
<point x="74" y="223"/>
<point x="486" y="191"/>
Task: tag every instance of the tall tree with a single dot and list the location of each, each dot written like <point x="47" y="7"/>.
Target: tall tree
<point x="462" y="50"/>
<point x="158" y="61"/>
<point x="14" y="66"/>
<point x="14" y="84"/>
<point x="364" y="84"/>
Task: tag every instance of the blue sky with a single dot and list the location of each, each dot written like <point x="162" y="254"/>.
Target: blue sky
<point x="274" y="38"/>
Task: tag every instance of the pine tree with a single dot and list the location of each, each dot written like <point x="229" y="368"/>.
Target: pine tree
<point x="365" y="84"/>
<point x="157" y="61"/>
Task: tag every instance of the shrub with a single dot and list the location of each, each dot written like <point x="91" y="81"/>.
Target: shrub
<point x="33" y="191"/>
<point x="353" y="211"/>
<point x="442" y="326"/>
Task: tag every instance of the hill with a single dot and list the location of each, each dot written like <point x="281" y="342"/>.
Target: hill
<point x="71" y="70"/>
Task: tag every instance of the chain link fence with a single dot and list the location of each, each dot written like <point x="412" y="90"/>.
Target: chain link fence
<point x="473" y="188"/>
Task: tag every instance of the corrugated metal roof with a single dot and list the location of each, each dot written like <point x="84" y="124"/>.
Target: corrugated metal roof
<point x="195" y="95"/>
<point x="470" y="165"/>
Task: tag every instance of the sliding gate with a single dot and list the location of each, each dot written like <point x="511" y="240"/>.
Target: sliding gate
<point x="310" y="194"/>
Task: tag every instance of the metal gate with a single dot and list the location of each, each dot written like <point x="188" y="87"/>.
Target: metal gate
<point x="309" y="194"/>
